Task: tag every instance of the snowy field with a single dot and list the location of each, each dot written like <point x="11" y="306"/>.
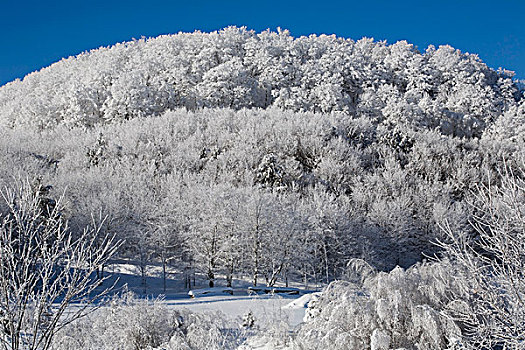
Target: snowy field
<point x="266" y="308"/>
<point x="275" y="313"/>
<point x="275" y="316"/>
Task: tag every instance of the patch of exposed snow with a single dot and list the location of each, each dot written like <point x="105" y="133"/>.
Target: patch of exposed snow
<point x="210" y="291"/>
<point x="303" y="301"/>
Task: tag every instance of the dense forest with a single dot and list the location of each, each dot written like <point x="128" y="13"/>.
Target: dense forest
<point x="259" y="156"/>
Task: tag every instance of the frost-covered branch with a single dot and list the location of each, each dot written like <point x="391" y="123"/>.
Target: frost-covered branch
<point x="45" y="269"/>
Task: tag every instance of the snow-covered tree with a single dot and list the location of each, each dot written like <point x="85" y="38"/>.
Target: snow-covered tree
<point x="43" y="269"/>
<point x="490" y="265"/>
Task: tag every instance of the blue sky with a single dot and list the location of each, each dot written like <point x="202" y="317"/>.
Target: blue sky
<point x="38" y="33"/>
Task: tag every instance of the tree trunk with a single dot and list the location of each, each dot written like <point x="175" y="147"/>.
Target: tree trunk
<point x="304" y="276"/>
<point x="211" y="261"/>
<point x="164" y="274"/>
<point x="256" y="246"/>
<point x="211" y="278"/>
<point x="143" y="277"/>
<point x="325" y="253"/>
<point x="229" y="277"/>
<point x="143" y="272"/>
<point x="275" y="273"/>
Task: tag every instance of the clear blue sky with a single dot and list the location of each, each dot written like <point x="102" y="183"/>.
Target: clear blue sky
<point x="38" y="33"/>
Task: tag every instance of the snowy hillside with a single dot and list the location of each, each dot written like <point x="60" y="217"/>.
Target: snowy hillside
<point x="392" y="177"/>
<point x="237" y="68"/>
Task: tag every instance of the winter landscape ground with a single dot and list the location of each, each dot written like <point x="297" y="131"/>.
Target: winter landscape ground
<point x="376" y="190"/>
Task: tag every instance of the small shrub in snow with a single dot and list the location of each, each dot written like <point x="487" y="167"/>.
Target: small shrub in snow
<point x="133" y="324"/>
<point x="248" y="320"/>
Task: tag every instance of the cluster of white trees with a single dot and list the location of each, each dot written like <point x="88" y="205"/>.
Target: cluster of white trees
<point x="469" y="298"/>
<point x="237" y="68"/>
<point x="272" y="196"/>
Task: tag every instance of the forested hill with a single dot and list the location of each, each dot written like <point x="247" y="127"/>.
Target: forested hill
<point x="237" y="157"/>
<point x="237" y="68"/>
<point x="268" y="156"/>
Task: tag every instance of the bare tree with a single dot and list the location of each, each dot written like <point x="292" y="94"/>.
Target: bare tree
<point x="491" y="266"/>
<point x="44" y="269"/>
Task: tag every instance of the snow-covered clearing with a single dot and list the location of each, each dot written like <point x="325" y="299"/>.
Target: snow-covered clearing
<point x="266" y="308"/>
<point x="284" y="309"/>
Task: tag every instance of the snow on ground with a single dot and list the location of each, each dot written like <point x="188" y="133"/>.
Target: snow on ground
<point x="210" y="291"/>
<point x="279" y="313"/>
<point x="266" y="308"/>
<point x="276" y="313"/>
<point x="302" y="302"/>
<point x="128" y="273"/>
<point x="264" y="343"/>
